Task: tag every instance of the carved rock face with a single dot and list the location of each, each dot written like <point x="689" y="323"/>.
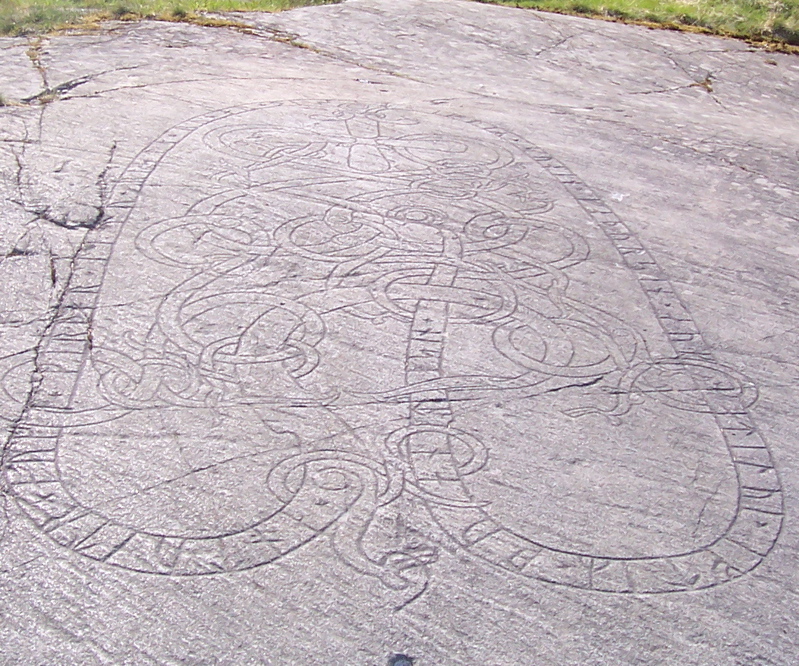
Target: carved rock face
<point x="353" y="308"/>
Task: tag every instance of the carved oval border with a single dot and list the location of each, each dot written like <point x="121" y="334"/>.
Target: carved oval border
<point x="30" y="469"/>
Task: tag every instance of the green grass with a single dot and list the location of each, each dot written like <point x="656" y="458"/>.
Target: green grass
<point x="23" y="17"/>
<point x="774" y="21"/>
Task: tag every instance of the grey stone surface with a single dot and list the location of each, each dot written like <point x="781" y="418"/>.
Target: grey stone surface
<point x="387" y="329"/>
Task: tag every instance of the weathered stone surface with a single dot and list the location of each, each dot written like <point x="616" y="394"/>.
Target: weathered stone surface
<point x="398" y="330"/>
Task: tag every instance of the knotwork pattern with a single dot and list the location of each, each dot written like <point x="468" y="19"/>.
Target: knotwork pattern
<point x="355" y="315"/>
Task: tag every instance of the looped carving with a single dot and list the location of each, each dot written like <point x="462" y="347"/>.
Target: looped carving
<point x="695" y="385"/>
<point x="361" y="275"/>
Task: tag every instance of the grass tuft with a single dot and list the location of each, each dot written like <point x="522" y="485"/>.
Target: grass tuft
<point x="774" y="23"/>
<point x="26" y="17"/>
<point x="120" y="11"/>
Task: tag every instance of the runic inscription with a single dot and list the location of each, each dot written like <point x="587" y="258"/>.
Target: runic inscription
<point x="351" y="316"/>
